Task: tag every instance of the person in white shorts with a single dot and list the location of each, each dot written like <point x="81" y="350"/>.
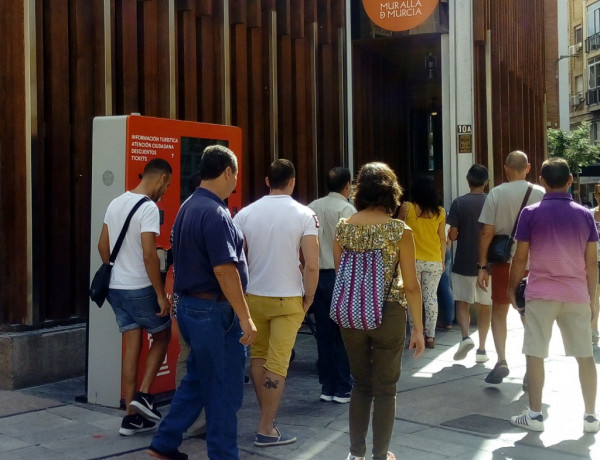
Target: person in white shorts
<point x="464" y="229"/>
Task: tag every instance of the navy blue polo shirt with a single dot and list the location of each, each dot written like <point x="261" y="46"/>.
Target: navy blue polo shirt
<point x="205" y="236"/>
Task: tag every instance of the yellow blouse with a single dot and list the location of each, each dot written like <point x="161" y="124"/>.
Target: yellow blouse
<point x="425" y="232"/>
<point x="385" y="237"/>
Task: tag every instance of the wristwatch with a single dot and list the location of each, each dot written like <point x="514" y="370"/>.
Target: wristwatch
<point x="482" y="267"/>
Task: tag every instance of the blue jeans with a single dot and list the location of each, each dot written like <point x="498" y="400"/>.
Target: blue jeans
<point x="334" y="369"/>
<point x="214" y="379"/>
<point x="444" y="294"/>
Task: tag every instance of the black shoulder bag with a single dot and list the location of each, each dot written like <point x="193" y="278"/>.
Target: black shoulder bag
<point x="101" y="281"/>
<point x="500" y="248"/>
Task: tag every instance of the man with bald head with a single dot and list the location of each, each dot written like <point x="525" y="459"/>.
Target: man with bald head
<point x="498" y="217"/>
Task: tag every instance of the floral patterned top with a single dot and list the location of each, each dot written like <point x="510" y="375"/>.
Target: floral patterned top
<point x="385" y="237"/>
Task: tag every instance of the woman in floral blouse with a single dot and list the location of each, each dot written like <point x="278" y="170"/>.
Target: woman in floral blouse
<point x="375" y="355"/>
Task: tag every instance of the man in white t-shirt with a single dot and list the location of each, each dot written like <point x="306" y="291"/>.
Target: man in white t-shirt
<point x="281" y="240"/>
<point x="498" y="216"/>
<point x="136" y="291"/>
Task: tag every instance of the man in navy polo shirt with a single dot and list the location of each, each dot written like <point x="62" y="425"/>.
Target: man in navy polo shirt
<point x="211" y="277"/>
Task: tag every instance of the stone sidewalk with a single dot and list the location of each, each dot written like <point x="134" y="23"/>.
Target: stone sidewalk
<point x="444" y="410"/>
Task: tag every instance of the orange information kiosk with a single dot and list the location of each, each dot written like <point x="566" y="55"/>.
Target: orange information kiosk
<point x="121" y="147"/>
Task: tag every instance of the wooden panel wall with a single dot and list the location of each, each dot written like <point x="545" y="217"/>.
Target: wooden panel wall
<point x="518" y="82"/>
<point x="286" y="93"/>
<point x="291" y="111"/>
<point x="13" y="216"/>
<point x="285" y="86"/>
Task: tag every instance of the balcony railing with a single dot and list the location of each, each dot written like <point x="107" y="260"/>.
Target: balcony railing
<point x="592" y="42"/>
<point x="592" y="96"/>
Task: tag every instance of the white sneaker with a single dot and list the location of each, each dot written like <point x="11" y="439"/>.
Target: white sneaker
<point x="342" y="398"/>
<point x="352" y="457"/>
<point x="591" y="424"/>
<point x="528" y="423"/>
<point x="481" y="356"/>
<point x="464" y="347"/>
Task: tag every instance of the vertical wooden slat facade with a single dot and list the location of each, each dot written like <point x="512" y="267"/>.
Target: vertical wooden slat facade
<point x="285" y="90"/>
<point x="13" y="148"/>
<point x="291" y="110"/>
<point x="518" y="81"/>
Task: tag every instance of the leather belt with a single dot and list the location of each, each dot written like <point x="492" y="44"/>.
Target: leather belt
<point x="208" y="296"/>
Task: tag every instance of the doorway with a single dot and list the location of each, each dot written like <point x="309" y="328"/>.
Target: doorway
<point x="397" y="94"/>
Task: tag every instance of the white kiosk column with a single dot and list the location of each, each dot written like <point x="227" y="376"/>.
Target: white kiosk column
<point x="457" y="99"/>
<point x="105" y="342"/>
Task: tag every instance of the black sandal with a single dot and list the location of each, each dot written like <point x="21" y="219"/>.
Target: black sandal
<point x="498" y="373"/>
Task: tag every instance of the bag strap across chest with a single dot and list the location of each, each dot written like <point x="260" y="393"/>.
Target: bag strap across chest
<point x="117" y="248"/>
<point x="527" y="194"/>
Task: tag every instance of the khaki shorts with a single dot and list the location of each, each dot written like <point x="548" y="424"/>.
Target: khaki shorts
<point x="466" y="289"/>
<point x="573" y="320"/>
<point x="277" y="320"/>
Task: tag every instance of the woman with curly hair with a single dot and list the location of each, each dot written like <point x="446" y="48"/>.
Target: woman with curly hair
<point x="427" y="219"/>
<point x="375" y="355"/>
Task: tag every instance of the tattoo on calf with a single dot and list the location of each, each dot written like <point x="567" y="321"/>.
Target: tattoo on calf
<point x="270" y="384"/>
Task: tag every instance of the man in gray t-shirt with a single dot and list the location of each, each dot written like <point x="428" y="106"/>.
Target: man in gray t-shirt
<point x="464" y="216"/>
<point x="498" y="216"/>
<point x="464" y="229"/>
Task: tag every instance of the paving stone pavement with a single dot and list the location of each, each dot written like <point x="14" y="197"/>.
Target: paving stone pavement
<point x="444" y="410"/>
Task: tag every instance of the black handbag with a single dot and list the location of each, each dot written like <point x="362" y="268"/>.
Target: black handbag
<point x="101" y="281"/>
<point x="520" y="295"/>
<point x="500" y="248"/>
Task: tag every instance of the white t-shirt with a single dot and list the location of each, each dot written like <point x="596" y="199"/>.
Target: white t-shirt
<point x="129" y="271"/>
<point x="273" y="228"/>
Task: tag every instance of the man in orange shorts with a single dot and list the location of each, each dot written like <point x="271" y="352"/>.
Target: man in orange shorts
<point x="498" y="217"/>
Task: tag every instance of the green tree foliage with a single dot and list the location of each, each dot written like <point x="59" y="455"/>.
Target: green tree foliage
<point x="576" y="147"/>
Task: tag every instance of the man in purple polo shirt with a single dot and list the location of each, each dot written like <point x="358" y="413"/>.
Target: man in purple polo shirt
<point x="560" y="238"/>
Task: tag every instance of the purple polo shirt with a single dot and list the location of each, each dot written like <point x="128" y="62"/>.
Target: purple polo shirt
<point x="558" y="231"/>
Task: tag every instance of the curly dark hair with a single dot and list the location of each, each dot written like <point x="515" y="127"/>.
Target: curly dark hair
<point x="377" y="185"/>
<point x="424" y="193"/>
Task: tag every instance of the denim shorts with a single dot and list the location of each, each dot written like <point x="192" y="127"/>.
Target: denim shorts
<point x="137" y="308"/>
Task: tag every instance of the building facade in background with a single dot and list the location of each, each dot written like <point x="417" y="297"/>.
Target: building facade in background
<point x="313" y="81"/>
<point x="584" y="80"/>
